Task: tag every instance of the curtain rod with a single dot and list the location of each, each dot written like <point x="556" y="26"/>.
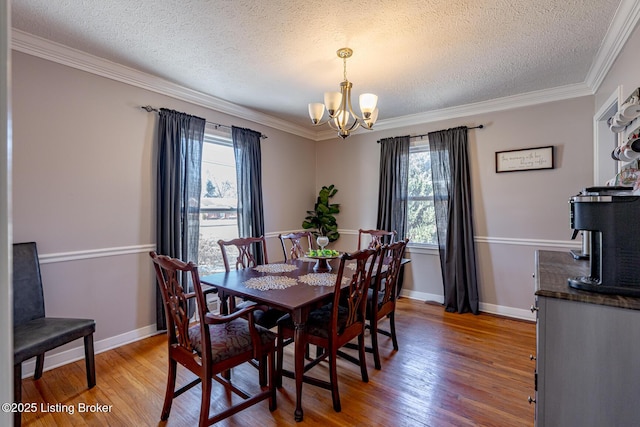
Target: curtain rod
<point x="149" y="109"/>
<point x="425" y="134"/>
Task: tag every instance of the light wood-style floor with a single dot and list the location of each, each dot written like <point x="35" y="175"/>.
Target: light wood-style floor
<point x="451" y="370"/>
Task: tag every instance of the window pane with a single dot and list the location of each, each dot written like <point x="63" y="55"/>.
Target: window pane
<point x="218" y="204"/>
<point x="421" y="221"/>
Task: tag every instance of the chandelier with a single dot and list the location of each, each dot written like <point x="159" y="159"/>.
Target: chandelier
<point x="338" y="104"/>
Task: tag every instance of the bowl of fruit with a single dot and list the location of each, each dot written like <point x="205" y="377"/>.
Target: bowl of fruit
<point x="322" y="257"/>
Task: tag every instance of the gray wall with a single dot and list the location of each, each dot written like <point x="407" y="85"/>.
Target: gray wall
<point x="83" y="189"/>
<point x="514" y="213"/>
<point x="624" y="71"/>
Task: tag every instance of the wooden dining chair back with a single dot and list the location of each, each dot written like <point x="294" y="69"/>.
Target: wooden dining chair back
<point x="297" y="243"/>
<point x="211" y="345"/>
<point x="381" y="301"/>
<point x="248" y="248"/>
<point x="376" y="238"/>
<point x="252" y="251"/>
<point x="332" y="326"/>
<point x="33" y="332"/>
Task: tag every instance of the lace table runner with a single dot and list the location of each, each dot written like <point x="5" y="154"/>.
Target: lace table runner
<point x="275" y="268"/>
<point x="353" y="266"/>
<point x="270" y="282"/>
<point x="320" y="279"/>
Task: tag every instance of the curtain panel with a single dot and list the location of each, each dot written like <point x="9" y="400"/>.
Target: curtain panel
<point x="179" y="159"/>
<point x="246" y="146"/>
<point x="393" y="184"/>
<point x="454" y="218"/>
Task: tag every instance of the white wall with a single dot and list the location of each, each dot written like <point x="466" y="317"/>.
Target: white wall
<point x="84" y="190"/>
<point x="514" y="213"/>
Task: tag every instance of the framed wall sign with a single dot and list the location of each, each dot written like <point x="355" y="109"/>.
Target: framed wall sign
<point x="524" y="159"/>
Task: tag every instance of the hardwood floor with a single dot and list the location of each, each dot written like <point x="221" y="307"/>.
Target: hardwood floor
<point x="451" y="370"/>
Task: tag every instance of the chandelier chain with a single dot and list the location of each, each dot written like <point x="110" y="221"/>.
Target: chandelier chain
<point x="344" y="61"/>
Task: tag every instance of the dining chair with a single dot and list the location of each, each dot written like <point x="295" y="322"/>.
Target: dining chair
<point x="33" y="332"/>
<point x="246" y="258"/>
<point x="210" y="346"/>
<point x="381" y="298"/>
<point x="248" y="248"/>
<point x="296" y="249"/>
<point x="376" y="237"/>
<point x="333" y="325"/>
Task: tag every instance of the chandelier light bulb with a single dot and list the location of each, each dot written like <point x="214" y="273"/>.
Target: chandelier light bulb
<point x="316" y="111"/>
<point x="368" y="103"/>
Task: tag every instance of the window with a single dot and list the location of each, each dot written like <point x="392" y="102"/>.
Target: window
<point x="218" y="201"/>
<point x="421" y="217"/>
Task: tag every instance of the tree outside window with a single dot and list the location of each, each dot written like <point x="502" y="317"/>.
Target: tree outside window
<point x="421" y="218"/>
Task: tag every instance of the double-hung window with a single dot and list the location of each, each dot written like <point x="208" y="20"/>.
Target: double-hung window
<point x="421" y="218"/>
<point x="218" y="201"/>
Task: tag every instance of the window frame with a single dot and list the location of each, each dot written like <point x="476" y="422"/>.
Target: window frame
<point x="420" y="247"/>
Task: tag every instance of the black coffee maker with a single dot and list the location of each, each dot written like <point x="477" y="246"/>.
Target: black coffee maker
<point x="612" y="217"/>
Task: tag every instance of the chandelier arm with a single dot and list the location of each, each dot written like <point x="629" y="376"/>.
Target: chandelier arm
<point x="322" y="123"/>
<point x="332" y="125"/>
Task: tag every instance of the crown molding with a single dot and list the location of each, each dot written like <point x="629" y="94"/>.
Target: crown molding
<point x="623" y="23"/>
<point x="61" y="54"/>
<point x="499" y="104"/>
<point x="625" y="20"/>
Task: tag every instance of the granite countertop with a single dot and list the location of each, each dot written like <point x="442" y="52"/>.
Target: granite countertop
<point x="553" y="268"/>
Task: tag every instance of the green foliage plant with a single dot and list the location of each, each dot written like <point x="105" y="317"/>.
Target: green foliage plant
<point x="321" y="220"/>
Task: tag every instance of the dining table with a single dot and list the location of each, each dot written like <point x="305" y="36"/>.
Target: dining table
<point x="293" y="286"/>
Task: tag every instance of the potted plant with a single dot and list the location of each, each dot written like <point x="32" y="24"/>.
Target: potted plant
<point x="321" y="219"/>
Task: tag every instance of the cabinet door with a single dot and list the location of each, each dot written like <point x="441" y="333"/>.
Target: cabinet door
<point x="588" y="365"/>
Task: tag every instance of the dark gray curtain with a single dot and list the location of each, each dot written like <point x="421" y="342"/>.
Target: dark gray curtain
<point x="393" y="183"/>
<point x="454" y="213"/>
<point x="180" y="138"/>
<point x="246" y="146"/>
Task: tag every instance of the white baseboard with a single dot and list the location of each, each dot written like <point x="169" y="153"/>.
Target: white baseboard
<point x="423" y="296"/>
<point x="77" y="353"/>
<point x="516" y="313"/>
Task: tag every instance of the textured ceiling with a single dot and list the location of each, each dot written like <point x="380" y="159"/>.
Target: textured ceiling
<point x="276" y="56"/>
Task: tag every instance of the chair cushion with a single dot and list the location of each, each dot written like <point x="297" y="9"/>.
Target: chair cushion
<point x="46" y="333"/>
<point x="319" y="319"/>
<point x="370" y="297"/>
<point x="228" y="339"/>
<point x="265" y="318"/>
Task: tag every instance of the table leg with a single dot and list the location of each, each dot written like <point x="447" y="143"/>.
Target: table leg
<point x="299" y="353"/>
<point x="224" y="307"/>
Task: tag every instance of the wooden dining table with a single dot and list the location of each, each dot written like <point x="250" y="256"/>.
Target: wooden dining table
<point x="296" y="299"/>
<point x="292" y="286"/>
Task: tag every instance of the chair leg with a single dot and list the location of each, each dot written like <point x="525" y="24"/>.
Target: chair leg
<point x="280" y="356"/>
<point x="333" y="375"/>
<point x="171" y="385"/>
<point x="392" y="325"/>
<point x="17" y="392"/>
<point x="262" y="370"/>
<point x="89" y="360"/>
<point x="373" y="327"/>
<point x="363" y="360"/>
<point x="273" y="404"/>
<point x="39" y="367"/>
<point x="206" y="402"/>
